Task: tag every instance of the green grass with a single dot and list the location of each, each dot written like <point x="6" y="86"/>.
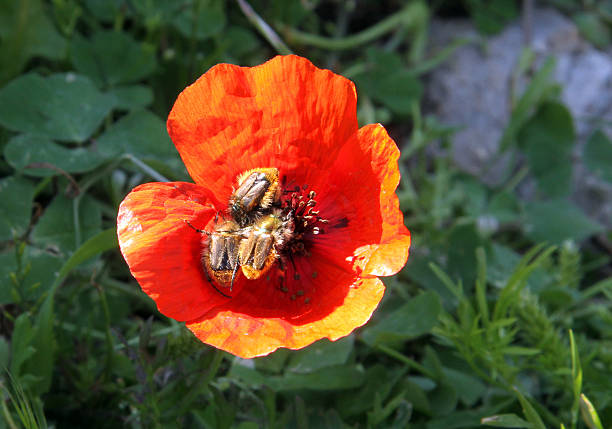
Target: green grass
<point x="502" y="316"/>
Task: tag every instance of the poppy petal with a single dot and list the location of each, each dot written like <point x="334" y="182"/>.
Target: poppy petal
<point x="247" y="336"/>
<point x="163" y="251"/>
<point x="366" y="230"/>
<point x="391" y="253"/>
<point x="285" y="113"/>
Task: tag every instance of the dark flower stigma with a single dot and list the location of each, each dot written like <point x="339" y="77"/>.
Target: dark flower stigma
<point x="300" y="208"/>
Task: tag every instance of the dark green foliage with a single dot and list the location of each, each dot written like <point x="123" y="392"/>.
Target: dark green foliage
<point x="547" y="141"/>
<point x="501" y="317"/>
<point x="598" y="155"/>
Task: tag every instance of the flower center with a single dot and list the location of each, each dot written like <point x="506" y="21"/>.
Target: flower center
<point x="263" y="226"/>
<point x="299" y="206"/>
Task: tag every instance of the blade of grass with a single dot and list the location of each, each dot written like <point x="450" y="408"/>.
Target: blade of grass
<point x="105" y="240"/>
<point x="576" y="379"/>
<point x="481" y="286"/>
<point x="530" y="413"/>
<point x="28" y="409"/>
<point x="447" y="281"/>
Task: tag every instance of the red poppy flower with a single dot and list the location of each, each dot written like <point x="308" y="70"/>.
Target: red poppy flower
<point x="337" y="187"/>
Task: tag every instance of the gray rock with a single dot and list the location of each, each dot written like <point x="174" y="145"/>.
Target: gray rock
<point x="472" y="91"/>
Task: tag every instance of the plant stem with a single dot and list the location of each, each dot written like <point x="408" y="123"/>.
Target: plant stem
<point x="412" y="15"/>
<point x="145" y="168"/>
<point x="406" y="360"/>
<point x="203" y="380"/>
<point x="107" y="338"/>
<point x="262" y="26"/>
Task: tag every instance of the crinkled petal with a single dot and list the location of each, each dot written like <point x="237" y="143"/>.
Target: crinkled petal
<point x="285" y="113"/>
<point x="389" y="255"/>
<point x="366" y="229"/>
<point x="163" y="251"/>
<point x="249" y="335"/>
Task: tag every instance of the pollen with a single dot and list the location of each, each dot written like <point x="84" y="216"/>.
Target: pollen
<point x="300" y="205"/>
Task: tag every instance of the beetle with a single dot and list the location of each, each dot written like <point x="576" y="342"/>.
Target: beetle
<point x="264" y="244"/>
<point x="220" y="254"/>
<point x="256" y="192"/>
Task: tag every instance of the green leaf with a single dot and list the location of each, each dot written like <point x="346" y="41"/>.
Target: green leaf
<point x="199" y="18"/>
<point x="538" y="89"/>
<point x="8" y="268"/>
<point x="101" y="242"/>
<point x="16" y="195"/>
<point x="244" y="371"/>
<point x="417" y="317"/>
<point x="379" y="381"/>
<point x="463" y="241"/>
<point x="321" y="354"/>
<point x="556" y="221"/>
<point x="4" y="353"/>
<point x="247" y="425"/>
<point x="240" y="41"/>
<point x="506" y="421"/>
<point x="398" y="90"/>
<point x="107" y="10"/>
<point x="38" y="270"/>
<point x="547" y="140"/>
<point x="501" y="261"/>
<point x="530" y="413"/>
<point x="329" y="378"/>
<point x="472" y="389"/>
<point x="504" y="207"/>
<point x="142" y="134"/>
<point x="593" y="28"/>
<point x="21" y="348"/>
<point x="56" y="228"/>
<point x="443" y="398"/>
<point x="598" y="155"/>
<point x="41" y="157"/>
<point x="111" y="57"/>
<point x="474" y="193"/>
<point x="62" y="106"/>
<point x="418" y="270"/>
<point x="457" y="419"/>
<point x="274" y="363"/>
<point x="132" y="97"/>
<point x="43" y="270"/>
<point x="491" y="16"/>
<point x="44" y="343"/>
<point x="417" y="396"/>
<point x="26" y="32"/>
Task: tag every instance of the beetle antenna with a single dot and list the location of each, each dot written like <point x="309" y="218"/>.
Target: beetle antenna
<point x="234" y="276"/>
<point x="198" y="230"/>
<point x="218" y="290"/>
